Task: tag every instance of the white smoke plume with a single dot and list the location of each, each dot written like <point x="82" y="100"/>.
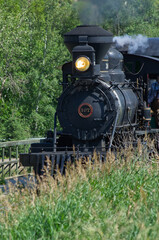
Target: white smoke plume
<point x="134" y="43"/>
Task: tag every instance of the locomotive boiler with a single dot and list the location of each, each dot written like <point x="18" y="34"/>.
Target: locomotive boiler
<point x="96" y="103"/>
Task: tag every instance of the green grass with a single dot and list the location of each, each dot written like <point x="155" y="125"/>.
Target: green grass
<point x="2" y="180"/>
<point x="118" y="200"/>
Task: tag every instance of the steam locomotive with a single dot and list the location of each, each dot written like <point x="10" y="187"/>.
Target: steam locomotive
<point x="97" y="102"/>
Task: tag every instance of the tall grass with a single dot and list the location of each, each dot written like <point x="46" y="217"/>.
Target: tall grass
<point x="115" y="200"/>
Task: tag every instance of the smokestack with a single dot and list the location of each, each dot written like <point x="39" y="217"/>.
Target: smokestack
<point x="95" y="36"/>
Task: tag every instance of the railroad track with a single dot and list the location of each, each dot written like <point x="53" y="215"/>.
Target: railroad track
<point x="26" y="181"/>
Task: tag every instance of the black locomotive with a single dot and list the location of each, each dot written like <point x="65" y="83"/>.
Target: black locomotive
<point x="97" y="102"/>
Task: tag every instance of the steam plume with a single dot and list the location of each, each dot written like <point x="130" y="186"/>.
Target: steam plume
<point x="134" y="43"/>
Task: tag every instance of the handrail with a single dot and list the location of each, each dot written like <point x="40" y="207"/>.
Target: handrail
<point x="20" y="142"/>
<point x="9" y="162"/>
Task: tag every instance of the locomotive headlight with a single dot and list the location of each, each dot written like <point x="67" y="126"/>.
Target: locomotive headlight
<point x="82" y="64"/>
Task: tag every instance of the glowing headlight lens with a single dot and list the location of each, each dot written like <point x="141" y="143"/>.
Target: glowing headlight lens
<point x="82" y="64"/>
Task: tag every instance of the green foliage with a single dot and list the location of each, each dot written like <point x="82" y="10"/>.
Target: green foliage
<point x="122" y="16"/>
<point x="32" y="53"/>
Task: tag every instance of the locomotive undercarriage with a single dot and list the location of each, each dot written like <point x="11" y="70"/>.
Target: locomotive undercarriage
<point x="43" y="155"/>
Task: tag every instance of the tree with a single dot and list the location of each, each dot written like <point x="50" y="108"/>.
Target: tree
<point x="32" y="53"/>
<point x="122" y="16"/>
